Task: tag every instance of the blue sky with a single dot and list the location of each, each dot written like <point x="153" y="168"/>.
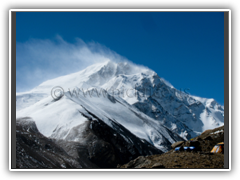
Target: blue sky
<point x="185" y="48"/>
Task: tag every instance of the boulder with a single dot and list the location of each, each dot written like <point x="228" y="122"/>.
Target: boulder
<point x="136" y="162"/>
<point x="158" y="165"/>
<point x="177" y="144"/>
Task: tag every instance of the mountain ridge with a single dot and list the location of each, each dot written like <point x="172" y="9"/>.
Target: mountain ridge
<point x="151" y="105"/>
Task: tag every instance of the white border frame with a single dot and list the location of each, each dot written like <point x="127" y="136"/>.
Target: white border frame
<point x="120" y="10"/>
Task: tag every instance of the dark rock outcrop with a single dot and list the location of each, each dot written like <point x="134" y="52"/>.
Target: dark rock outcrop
<point x="177" y="144"/>
<point x="93" y="144"/>
<point x="100" y="146"/>
<point x="33" y="150"/>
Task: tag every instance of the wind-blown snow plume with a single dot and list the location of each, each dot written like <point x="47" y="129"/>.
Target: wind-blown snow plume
<point x="41" y="60"/>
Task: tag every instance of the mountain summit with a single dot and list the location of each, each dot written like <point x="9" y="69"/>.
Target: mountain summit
<point x="131" y="100"/>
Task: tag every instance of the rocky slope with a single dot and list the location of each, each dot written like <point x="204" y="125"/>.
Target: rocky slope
<point x="33" y="150"/>
<point x="202" y="158"/>
<point x="100" y="147"/>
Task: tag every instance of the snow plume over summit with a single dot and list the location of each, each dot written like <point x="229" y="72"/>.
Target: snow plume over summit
<point x="48" y="59"/>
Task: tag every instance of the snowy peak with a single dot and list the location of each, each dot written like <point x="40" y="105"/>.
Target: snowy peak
<point x="93" y="76"/>
<point x="135" y="98"/>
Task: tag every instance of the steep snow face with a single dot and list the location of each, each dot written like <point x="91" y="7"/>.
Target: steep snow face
<point x="180" y="112"/>
<point x="57" y="118"/>
<point x="131" y="95"/>
<point x="177" y="109"/>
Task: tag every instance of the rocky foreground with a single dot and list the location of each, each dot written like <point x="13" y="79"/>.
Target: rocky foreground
<point x="202" y="158"/>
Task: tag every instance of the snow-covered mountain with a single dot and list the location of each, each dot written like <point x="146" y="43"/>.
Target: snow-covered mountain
<point x="122" y="95"/>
